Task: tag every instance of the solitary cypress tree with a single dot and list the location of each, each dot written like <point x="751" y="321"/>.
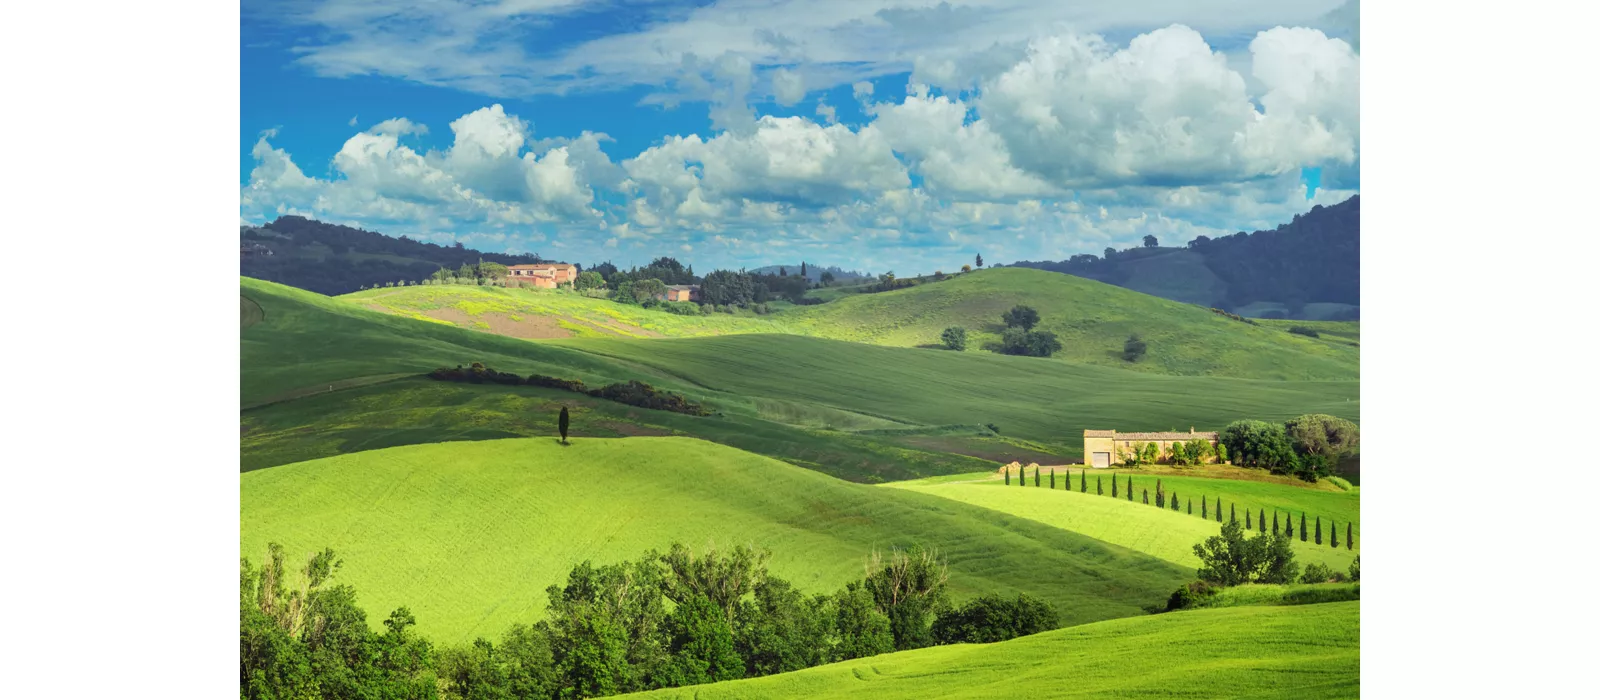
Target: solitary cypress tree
<point x="1319" y="530"/>
<point x="1302" y="527"/>
<point x="1008" y="476"/>
<point x="1333" y="534"/>
<point x="1114" y="487"/>
<point x="1204" y="511"/>
<point x="1349" y="537"/>
<point x="562" y="423"/>
<point x="1219" y="509"/>
<point x="1191" y="506"/>
<point x="1274" y="523"/>
<point x="1248" y="526"/>
<point x="1130" y="488"/>
<point x="1261" y="519"/>
<point x="1052" y="479"/>
<point x="1099" y="488"/>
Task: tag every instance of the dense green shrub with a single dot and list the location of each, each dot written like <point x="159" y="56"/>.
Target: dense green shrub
<point x="1302" y="330"/>
<point x="1016" y="341"/>
<point x="954" y="338"/>
<point x="1133" y="348"/>
<point x="1190" y="595"/>
<point x="991" y="618"/>
<point x="1230" y="558"/>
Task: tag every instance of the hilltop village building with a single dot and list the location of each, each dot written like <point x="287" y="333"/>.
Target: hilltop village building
<point x="683" y="292"/>
<point x="543" y="275"/>
<point x="1102" y="448"/>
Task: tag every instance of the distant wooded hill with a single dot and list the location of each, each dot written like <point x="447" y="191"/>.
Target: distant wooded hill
<point x="1307" y="268"/>
<point x="813" y="272"/>
<point x="333" y="259"/>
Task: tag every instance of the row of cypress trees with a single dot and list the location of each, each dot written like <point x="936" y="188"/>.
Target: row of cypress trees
<point x="1166" y="500"/>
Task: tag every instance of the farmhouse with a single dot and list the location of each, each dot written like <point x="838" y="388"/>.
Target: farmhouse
<point x="543" y="275"/>
<point x="1102" y="448"/>
<point x="683" y="292"/>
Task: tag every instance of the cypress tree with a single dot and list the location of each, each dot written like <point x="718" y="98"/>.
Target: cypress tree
<point x="1036" y="478"/>
<point x="1008" y="476"/>
<point x="1302" y="527"/>
<point x="1130" y="488"/>
<point x="1052" y="479"/>
<point x="1219" y="509"/>
<point x="1261" y="519"/>
<point x="562" y="424"/>
<point x="1083" y="480"/>
<point x="1349" y="537"/>
<point x="1274" y="523"/>
<point x="1231" y="517"/>
<point x="1145" y="494"/>
<point x="1248" y="526"/>
<point x="1319" y="529"/>
<point x="1333" y="534"/>
<point x="1204" y="511"/>
<point x="1173" y="499"/>
<point x="1114" y="491"/>
<point x="1191" y="506"/>
<point x="1161" y="498"/>
<point x="1288" y="526"/>
<point x="1099" y="488"/>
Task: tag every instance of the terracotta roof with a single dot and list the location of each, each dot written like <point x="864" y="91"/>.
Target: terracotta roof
<point x="1153" y="437"/>
<point x="541" y="266"/>
<point x="681" y="287"/>
<point x="1099" y="433"/>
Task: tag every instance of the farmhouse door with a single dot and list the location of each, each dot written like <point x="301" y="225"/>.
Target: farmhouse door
<point x="1102" y="460"/>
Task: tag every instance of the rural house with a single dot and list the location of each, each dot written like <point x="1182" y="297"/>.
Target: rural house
<point x="683" y="292"/>
<point x="1102" y="448"/>
<point x="543" y="275"/>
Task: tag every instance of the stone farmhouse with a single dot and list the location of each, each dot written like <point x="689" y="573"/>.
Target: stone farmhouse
<point x="542" y="275"/>
<point x="1102" y="448"/>
<point x="683" y="292"/>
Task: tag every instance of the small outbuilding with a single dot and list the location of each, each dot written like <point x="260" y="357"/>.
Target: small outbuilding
<point x="1102" y="448"/>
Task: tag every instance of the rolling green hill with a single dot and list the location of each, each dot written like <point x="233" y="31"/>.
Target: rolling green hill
<point x="1162" y="533"/>
<point x="1305" y="651"/>
<point x="804" y="400"/>
<point x="1031" y="398"/>
<point x="469" y="534"/>
<point x="1092" y="319"/>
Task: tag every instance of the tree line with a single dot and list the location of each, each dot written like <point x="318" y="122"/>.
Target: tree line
<point x="1170" y="501"/>
<point x="659" y="621"/>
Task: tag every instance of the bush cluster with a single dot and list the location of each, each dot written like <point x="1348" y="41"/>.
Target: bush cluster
<point x="660" y="621"/>
<point x="1302" y="330"/>
<point x="631" y="392"/>
<point x="1235" y="317"/>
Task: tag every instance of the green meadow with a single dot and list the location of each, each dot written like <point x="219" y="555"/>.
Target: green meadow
<point x="307" y="344"/>
<point x="469" y="534"/>
<point x="1298" y="652"/>
<point x="1160" y="532"/>
<point x="1092" y="319"/>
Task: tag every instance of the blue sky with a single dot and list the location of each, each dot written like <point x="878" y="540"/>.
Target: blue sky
<point x="907" y="135"/>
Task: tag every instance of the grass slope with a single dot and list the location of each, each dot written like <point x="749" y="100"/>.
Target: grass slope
<point x="412" y="411"/>
<point x="468" y="534"/>
<point x="1040" y="400"/>
<point x="574" y="315"/>
<point x="305" y="342"/>
<point x="1092" y="319"/>
<point x="1159" y="532"/>
<point x="1309" y="651"/>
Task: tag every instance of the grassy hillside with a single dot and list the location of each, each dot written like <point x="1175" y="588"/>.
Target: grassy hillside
<point x="468" y="534"/>
<point x="413" y="411"/>
<point x="542" y="313"/>
<point x="1162" y="533"/>
<point x="1308" y="651"/>
<point x="1092" y="319"/>
<point x="306" y="343"/>
<point x="1036" y="399"/>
